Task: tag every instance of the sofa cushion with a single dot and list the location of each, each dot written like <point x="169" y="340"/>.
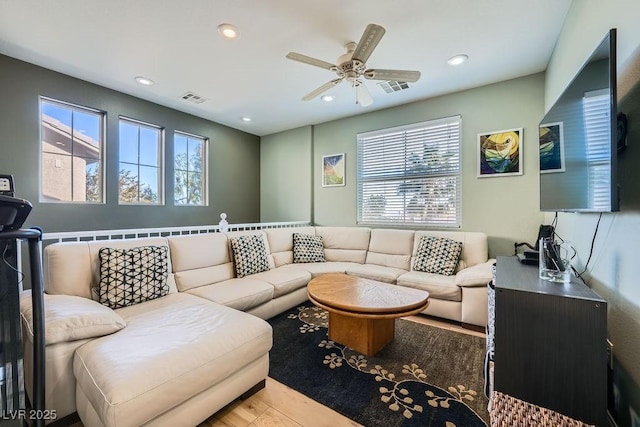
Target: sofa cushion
<point x="281" y="242"/>
<point x="438" y="286"/>
<point x="437" y="255"/>
<point x="132" y="276"/>
<point x="70" y="318"/>
<point x="249" y="255"/>
<point x="317" y="268"/>
<point x="173" y="348"/>
<point x="200" y="259"/>
<point x="73" y="268"/>
<point x="284" y="279"/>
<point x="307" y="248"/>
<point x="241" y="294"/>
<point x="376" y="272"/>
<point x="391" y="248"/>
<point x="345" y="244"/>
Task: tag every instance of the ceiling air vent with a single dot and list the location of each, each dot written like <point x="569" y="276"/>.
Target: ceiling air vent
<point x="195" y="98"/>
<point x="393" y="86"/>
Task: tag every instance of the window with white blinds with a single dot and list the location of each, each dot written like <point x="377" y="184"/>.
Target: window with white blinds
<point x="411" y="174"/>
<point x="597" y="123"/>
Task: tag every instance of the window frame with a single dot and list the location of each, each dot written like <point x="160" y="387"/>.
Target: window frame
<point x="161" y="161"/>
<point x="407" y="177"/>
<point x="102" y="158"/>
<point x="205" y="168"/>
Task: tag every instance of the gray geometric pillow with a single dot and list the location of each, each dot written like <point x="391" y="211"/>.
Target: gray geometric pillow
<point x="437" y="255"/>
<point x="307" y="248"/>
<point x="249" y="254"/>
<point x="132" y="276"/>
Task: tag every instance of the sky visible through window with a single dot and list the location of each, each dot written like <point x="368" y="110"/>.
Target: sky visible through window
<point x="87" y="124"/>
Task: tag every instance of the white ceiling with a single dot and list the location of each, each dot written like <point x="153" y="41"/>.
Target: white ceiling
<point x="176" y="44"/>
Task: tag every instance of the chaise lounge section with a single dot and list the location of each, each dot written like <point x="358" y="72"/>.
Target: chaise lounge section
<point x="181" y="357"/>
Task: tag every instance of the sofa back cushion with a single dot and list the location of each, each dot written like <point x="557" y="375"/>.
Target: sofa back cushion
<point x="347" y="244"/>
<point x="73" y="268"/>
<point x="475" y="248"/>
<point x="200" y="259"/>
<point x="391" y="248"/>
<point x="281" y="242"/>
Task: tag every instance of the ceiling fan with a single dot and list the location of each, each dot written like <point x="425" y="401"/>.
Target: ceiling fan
<point x="351" y="66"/>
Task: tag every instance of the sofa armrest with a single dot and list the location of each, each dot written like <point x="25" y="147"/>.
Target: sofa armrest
<point x="70" y="318"/>
<point x="478" y="275"/>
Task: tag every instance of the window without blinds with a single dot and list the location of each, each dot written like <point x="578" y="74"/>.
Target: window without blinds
<point x="595" y="106"/>
<point x="411" y="174"/>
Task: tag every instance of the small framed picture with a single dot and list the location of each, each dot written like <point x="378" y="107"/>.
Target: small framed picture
<point x="500" y="153"/>
<point x="551" y="148"/>
<point x="333" y="170"/>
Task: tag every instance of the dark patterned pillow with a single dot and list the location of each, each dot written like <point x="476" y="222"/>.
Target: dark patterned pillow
<point x="437" y="255"/>
<point x="132" y="276"/>
<point x="249" y="254"/>
<point x="307" y="248"/>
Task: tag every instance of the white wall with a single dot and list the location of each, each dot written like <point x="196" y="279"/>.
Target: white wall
<point x="613" y="270"/>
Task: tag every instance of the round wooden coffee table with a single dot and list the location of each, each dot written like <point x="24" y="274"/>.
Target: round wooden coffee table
<point x="362" y="312"/>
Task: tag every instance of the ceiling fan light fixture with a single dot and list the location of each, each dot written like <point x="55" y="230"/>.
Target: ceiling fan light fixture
<point x="458" y="60"/>
<point x="228" y="31"/>
<point x="327" y="98"/>
<point x="144" y="81"/>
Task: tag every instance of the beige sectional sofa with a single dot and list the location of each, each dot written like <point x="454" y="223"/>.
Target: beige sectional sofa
<point x="177" y="359"/>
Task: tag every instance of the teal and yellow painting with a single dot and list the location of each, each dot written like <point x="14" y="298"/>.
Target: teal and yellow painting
<point x="500" y="153"/>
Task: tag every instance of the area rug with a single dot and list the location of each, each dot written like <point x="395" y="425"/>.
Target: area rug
<point x="427" y="376"/>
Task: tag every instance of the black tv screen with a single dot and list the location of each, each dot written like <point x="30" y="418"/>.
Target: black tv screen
<point x="577" y="139"/>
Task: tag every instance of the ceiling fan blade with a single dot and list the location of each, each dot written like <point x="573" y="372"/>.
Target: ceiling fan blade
<point x="397" y="75"/>
<point x="309" y="60"/>
<point x="325" y="87"/>
<point x="368" y="42"/>
<point x="363" y="97"/>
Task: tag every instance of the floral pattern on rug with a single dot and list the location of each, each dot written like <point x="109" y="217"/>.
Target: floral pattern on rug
<point x="398" y="392"/>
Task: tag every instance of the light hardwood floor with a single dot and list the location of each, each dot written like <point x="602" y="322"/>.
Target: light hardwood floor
<point x="279" y="405"/>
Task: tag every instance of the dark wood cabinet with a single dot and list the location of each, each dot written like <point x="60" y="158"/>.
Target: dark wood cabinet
<point x="550" y="342"/>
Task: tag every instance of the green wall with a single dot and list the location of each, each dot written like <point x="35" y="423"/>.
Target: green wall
<point x="285" y="176"/>
<point x="234" y="156"/>
<point x="613" y="270"/>
<point x="506" y="208"/>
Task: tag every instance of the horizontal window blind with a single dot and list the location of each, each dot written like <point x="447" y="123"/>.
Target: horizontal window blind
<point x="411" y="174"/>
<point x="597" y="121"/>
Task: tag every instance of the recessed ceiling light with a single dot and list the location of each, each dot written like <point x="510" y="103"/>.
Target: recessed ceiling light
<point x="228" y="31"/>
<point x="327" y="98"/>
<point x="458" y="59"/>
<point x="246" y="119"/>
<point x="144" y="81"/>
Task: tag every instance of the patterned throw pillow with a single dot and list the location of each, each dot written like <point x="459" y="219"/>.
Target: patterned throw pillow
<point x="307" y="248"/>
<point x="437" y="255"/>
<point x="132" y="276"/>
<point x="249" y="254"/>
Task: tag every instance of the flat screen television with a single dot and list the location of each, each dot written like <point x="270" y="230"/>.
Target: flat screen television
<point x="578" y="139"/>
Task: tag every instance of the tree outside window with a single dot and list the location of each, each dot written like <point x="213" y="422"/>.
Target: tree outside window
<point x="140" y="173"/>
<point x="190" y="170"/>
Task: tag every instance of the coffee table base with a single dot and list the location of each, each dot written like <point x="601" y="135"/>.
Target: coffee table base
<point x="364" y="335"/>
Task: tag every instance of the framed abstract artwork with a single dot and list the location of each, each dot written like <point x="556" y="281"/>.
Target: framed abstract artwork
<point x="333" y="170"/>
<point x="551" y="148"/>
<point x="500" y="153"/>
